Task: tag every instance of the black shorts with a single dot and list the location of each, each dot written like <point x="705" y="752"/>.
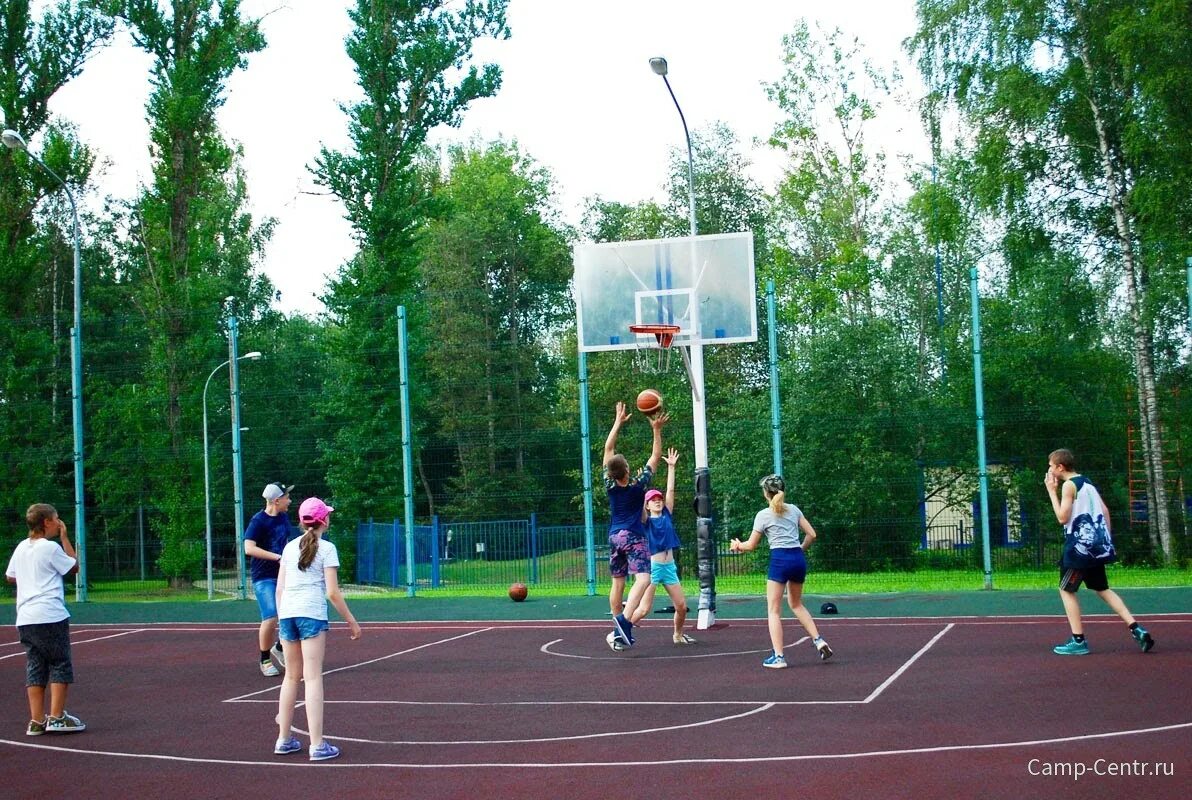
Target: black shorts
<point x="1092" y="577"/>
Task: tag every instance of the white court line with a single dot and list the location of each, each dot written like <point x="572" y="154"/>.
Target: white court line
<point x="80" y="641"/>
<point x="606" y="763"/>
<point x="634" y="703"/>
<point x="366" y="663"/>
<point x="546" y="649"/>
<point x="873" y="695"/>
<point x="965" y="619"/>
<point x="761" y="706"/>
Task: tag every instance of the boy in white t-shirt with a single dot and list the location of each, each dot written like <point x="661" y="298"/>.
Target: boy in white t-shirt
<point x="37" y="567"/>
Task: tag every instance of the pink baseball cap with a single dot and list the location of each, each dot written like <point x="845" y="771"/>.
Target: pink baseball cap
<point x="653" y="494"/>
<point x="314" y="511"/>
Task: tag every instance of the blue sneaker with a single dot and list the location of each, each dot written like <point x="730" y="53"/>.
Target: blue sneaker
<point x="324" y="752"/>
<point x="1072" y="648"/>
<point x="624" y="630"/>
<point x="775" y="661"/>
<point x="286" y="746"/>
<point x="1143" y="638"/>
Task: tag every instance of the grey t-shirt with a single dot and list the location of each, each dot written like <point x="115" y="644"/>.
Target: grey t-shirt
<point x="781" y="531"/>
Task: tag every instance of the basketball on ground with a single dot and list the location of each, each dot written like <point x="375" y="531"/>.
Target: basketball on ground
<point x="649" y="401"/>
<point x="518" y="592"/>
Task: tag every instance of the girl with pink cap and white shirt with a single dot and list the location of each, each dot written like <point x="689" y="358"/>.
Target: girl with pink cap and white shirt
<point x="309" y="576"/>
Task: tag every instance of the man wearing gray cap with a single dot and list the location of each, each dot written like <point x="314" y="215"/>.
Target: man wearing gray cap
<point x="264" y="539"/>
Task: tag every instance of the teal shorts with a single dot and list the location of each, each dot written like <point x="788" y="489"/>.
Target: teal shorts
<point x="663" y="573"/>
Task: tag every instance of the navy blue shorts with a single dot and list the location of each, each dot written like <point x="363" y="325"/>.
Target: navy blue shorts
<point x="787" y="564"/>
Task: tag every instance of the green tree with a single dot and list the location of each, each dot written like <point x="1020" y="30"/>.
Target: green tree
<point x="830" y="202"/>
<point x="496" y="266"/>
<point x="1072" y="111"/>
<point x="413" y="67"/>
<point x="188" y="243"/>
<point x="849" y="372"/>
<point x="37" y="58"/>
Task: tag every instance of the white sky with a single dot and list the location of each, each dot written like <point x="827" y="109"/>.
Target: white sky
<point x="577" y="94"/>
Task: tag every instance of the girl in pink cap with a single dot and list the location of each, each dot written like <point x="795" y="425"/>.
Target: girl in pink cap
<point x="663" y="541"/>
<point x="309" y="576"/>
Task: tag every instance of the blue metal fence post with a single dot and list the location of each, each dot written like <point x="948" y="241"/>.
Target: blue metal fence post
<point x="395" y="538"/>
<point x="434" y="552"/>
<point x="586" y="448"/>
<point x="979" y="389"/>
<point x="360" y="565"/>
<point x="533" y="547"/>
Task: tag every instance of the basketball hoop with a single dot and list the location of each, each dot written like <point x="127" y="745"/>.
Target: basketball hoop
<point x="664" y="335"/>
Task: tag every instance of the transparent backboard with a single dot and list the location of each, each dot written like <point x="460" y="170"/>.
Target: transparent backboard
<point x="703" y="284"/>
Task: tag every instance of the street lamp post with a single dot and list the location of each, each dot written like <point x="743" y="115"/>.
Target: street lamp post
<point x="14" y="141"/>
<point x="705" y="543"/>
<point x="253" y="356"/>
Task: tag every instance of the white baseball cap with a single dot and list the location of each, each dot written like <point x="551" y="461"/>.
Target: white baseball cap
<point x="276" y="490"/>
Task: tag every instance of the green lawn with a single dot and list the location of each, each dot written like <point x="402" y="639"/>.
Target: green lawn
<point x="565" y="575"/>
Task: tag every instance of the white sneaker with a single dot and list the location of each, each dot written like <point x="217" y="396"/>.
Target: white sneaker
<point x="279" y="654"/>
<point x="268" y="670"/>
<point x="825" y="652"/>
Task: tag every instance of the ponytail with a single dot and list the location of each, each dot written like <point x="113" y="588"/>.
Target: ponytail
<point x="778" y="503"/>
<point x="308" y="546"/>
<point x="774" y="487"/>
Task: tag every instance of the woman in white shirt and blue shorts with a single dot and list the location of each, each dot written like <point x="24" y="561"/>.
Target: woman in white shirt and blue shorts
<point x="781" y="524"/>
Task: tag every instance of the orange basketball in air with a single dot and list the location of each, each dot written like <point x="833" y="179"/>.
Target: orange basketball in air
<point x="649" y="401"/>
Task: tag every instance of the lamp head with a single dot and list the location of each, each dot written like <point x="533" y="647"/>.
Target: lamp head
<point x="13" y="140"/>
<point x="255" y="355"/>
<point x="658" y="64"/>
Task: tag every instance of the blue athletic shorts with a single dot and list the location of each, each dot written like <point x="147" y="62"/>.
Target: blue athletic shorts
<point x="293" y="629"/>
<point x="266" y="592"/>
<point x="663" y="573"/>
<point x="787" y="564"/>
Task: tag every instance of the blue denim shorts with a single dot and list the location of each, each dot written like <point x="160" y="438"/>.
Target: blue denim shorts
<point x="293" y="629"/>
<point x="266" y="592"/>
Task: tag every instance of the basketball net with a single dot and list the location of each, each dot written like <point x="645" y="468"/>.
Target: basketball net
<point x="664" y="337"/>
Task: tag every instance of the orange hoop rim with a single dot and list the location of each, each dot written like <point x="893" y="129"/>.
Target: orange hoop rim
<point x="665" y="334"/>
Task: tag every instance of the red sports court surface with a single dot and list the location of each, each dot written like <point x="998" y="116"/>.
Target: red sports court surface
<point x="923" y="707"/>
